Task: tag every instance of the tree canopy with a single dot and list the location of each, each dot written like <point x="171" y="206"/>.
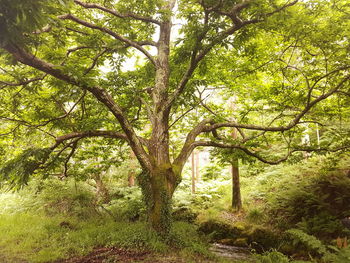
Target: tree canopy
<point x="64" y="82"/>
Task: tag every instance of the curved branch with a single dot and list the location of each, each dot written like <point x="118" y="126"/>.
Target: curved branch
<point x="188" y="145"/>
<point x="95" y="60"/>
<point x="109" y="32"/>
<point x="100" y="94"/>
<point x="240" y="147"/>
<point x="204" y="127"/>
<point x="198" y="55"/>
<point x="86" y="134"/>
<point x="291" y="124"/>
<point x="116" y="13"/>
<point x="262" y="159"/>
<point x="257" y="20"/>
<point x="26" y="123"/>
<point x="20" y="83"/>
<point x="70" y="155"/>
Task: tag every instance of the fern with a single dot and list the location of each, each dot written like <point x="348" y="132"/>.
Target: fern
<point x="342" y="256"/>
<point x="309" y="241"/>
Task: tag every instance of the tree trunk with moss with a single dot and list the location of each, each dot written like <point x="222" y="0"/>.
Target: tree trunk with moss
<point x="158" y="188"/>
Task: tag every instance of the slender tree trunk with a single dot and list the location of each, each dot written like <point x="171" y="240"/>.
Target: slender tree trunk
<point x="193" y="170"/>
<point x="132" y="169"/>
<point x="236" y="187"/>
<point x="131" y="180"/>
<point x="198" y="176"/>
<point x="318" y="135"/>
<point x="101" y="189"/>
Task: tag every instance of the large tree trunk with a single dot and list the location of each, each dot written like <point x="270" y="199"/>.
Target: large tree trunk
<point x="158" y="188"/>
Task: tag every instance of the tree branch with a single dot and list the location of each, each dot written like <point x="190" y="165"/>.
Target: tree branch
<point x="109" y="32"/>
<point x="203" y="126"/>
<point x="291" y="124"/>
<point x="116" y="13"/>
<point x="240" y="147"/>
<point x="100" y="94"/>
<point x="198" y="55"/>
<point x="262" y="159"/>
<point x="190" y="139"/>
<point x="86" y="134"/>
<point x="70" y="155"/>
<point x="95" y="60"/>
<point x="20" y="83"/>
<point x="277" y="10"/>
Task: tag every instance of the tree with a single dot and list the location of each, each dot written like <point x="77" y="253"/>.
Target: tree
<point x="60" y="58"/>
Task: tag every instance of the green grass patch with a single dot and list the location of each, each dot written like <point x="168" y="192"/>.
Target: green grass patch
<point x="39" y="238"/>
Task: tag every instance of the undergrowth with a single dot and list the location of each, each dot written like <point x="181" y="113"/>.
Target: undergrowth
<point x="53" y="220"/>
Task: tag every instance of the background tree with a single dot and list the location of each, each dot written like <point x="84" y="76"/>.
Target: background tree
<point x="285" y="61"/>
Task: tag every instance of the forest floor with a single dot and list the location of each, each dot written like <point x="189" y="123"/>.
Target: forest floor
<point x="111" y="255"/>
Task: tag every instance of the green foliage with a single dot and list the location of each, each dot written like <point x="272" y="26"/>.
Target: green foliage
<point x="210" y="198"/>
<point x="20" y="17"/>
<point x="277" y="70"/>
<point x="272" y="257"/>
<point x="185" y="236"/>
<point x="312" y="243"/>
<point x="52" y="240"/>
<point x="65" y="221"/>
<point x="17" y="17"/>
<point x="18" y="170"/>
<point x="340" y="256"/>
<point x="127" y="204"/>
<point x="255" y="215"/>
<point x="327" y="254"/>
<point x="316" y="200"/>
<point x="66" y="198"/>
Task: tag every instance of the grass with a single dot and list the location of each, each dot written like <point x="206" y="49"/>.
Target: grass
<point x="53" y="220"/>
<point x="39" y="238"/>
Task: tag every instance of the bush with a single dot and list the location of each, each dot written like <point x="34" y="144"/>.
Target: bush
<point x="127" y="204"/>
<point x="315" y="203"/>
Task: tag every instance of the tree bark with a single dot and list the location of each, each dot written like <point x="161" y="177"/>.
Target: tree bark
<point x="236" y="187"/>
<point x="131" y="180"/>
<point x="132" y="169"/>
<point x="198" y="175"/>
<point x="193" y="173"/>
<point x="158" y="188"/>
<point x="101" y="189"/>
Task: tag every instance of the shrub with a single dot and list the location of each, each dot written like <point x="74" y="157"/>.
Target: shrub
<point x="315" y="203"/>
